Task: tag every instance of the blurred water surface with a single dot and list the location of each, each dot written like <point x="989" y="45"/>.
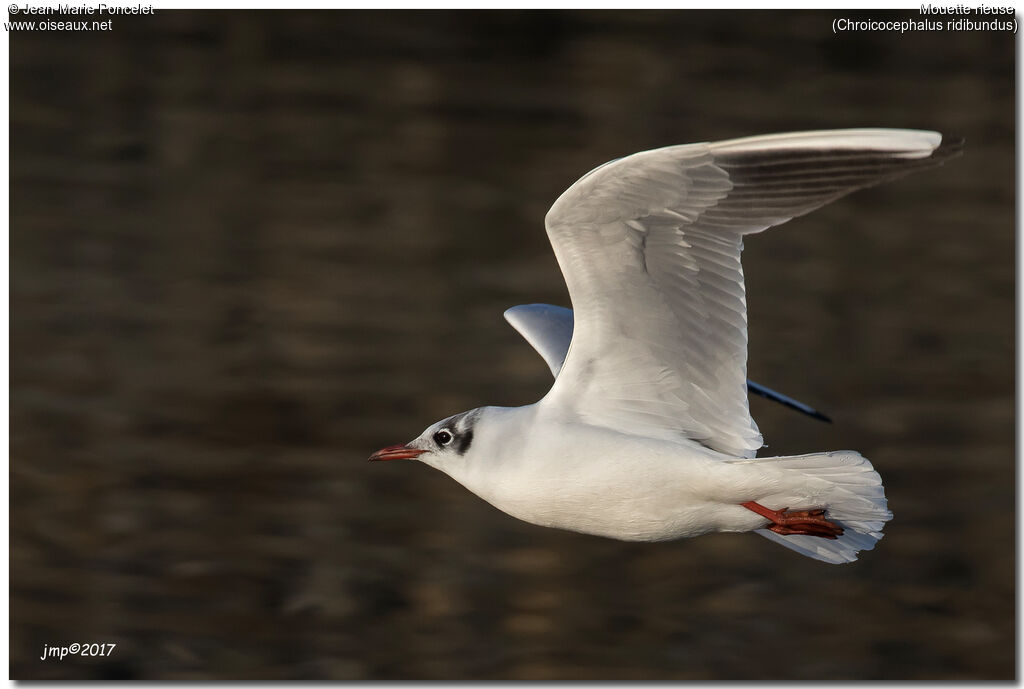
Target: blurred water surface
<point x="249" y="248"/>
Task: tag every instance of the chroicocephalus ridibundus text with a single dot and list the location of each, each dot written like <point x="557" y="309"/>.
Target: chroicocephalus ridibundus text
<point x="646" y="433"/>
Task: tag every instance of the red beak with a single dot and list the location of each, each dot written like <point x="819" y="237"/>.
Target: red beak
<point x="395" y="452"/>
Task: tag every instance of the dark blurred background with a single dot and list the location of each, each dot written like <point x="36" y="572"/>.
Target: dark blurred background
<point x="249" y="248"/>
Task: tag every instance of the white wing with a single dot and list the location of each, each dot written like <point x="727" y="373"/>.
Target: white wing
<point x="547" y="328"/>
<point x="650" y="249"/>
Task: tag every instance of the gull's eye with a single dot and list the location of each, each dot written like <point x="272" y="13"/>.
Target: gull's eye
<point x="442" y="437"/>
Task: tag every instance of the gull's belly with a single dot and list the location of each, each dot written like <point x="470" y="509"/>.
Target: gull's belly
<point x="630" y="490"/>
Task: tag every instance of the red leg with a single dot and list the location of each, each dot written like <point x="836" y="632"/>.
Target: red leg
<point x="806" y="522"/>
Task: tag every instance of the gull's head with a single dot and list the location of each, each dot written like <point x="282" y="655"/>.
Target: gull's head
<point x="442" y="445"/>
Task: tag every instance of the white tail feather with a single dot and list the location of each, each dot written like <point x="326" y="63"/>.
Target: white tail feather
<point x="849" y="489"/>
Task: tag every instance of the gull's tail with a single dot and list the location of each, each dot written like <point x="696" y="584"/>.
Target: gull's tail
<point x="850" y="490"/>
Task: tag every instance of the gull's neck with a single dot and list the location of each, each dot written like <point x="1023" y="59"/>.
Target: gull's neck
<point x="501" y="438"/>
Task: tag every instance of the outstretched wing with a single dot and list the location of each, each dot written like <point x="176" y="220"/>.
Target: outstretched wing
<point x="650" y="249"/>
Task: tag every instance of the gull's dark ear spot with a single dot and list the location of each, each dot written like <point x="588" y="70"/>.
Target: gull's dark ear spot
<point x="464" y="440"/>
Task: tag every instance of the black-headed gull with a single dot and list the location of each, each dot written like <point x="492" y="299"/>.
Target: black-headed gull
<point x="646" y="434"/>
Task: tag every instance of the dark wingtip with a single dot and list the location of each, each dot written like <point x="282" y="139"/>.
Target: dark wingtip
<point x="819" y="416"/>
<point x="950" y="147"/>
<point x="785" y="401"/>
